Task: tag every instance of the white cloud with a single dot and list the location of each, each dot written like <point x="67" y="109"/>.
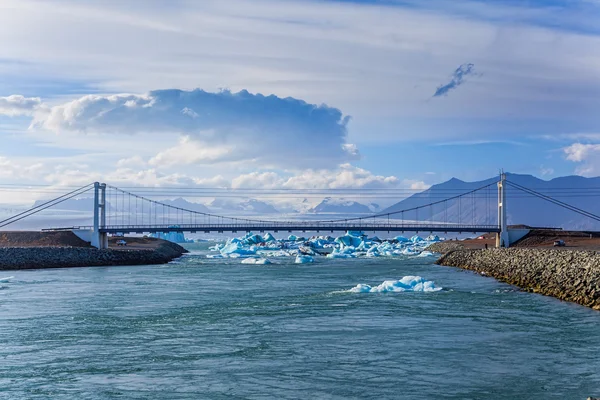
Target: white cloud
<point x="16" y="105"/>
<point x="588" y="155"/>
<point x="15" y="170"/>
<point x="217" y="127"/>
<point x="189" y="151"/>
<point x="134" y="161"/>
<point x="374" y="61"/>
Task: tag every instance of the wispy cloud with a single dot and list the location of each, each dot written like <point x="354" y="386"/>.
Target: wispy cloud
<point x="458" y="78"/>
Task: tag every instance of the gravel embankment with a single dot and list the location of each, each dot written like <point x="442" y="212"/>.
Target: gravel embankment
<point x="445" y="247"/>
<point x="12" y="258"/>
<point x="567" y="275"/>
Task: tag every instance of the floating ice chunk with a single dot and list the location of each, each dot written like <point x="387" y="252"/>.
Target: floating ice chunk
<point x="306" y="250"/>
<point x="7" y="279"/>
<point x="402" y="239"/>
<point x="237" y="249"/>
<point x="406" y="284"/>
<point x="426" y="254"/>
<point x="433" y="238"/>
<point x="292" y="238"/>
<point x="300" y="259"/>
<point x="410" y="252"/>
<point x="215" y="256"/>
<point x="256" y="261"/>
<point x="269" y="238"/>
<point x="349" y="240"/>
<point x="416" y="239"/>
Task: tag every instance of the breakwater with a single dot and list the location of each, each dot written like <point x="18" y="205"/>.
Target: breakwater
<point x="568" y="275"/>
<point x="12" y="258"/>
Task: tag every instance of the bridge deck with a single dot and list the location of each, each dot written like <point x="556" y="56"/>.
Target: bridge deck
<point x="292" y="227"/>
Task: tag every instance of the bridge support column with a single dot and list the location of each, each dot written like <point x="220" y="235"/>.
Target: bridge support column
<point x="502" y="238"/>
<point x="103" y="235"/>
<point x="96" y="230"/>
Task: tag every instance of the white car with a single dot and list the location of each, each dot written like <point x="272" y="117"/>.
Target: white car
<point x="121" y="242"/>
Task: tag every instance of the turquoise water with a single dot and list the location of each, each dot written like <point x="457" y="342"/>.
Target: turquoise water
<point x="216" y="329"/>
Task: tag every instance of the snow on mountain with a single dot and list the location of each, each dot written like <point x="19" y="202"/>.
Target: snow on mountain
<point x="187" y="205"/>
<point x="341" y="206"/>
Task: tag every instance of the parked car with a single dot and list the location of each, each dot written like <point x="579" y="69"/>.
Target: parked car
<point x="121" y="242"/>
<point x="559" y="243"/>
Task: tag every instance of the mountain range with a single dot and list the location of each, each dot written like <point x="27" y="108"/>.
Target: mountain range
<point x="479" y="207"/>
<point x="521" y="207"/>
<point x="342" y="206"/>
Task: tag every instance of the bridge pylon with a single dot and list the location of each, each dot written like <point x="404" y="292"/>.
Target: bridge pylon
<point x="502" y="238"/>
<point x="99" y="239"/>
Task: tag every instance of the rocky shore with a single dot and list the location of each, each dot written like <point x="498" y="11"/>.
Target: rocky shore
<point x="567" y="275"/>
<point x="12" y="258"/>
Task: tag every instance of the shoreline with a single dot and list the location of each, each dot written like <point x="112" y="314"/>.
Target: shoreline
<point x="572" y="275"/>
<point x="47" y="257"/>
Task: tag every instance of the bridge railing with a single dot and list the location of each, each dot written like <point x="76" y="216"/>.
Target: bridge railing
<point x="291" y="226"/>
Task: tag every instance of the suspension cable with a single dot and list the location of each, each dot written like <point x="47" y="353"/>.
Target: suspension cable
<point x="556" y="202"/>
<point x="45" y="205"/>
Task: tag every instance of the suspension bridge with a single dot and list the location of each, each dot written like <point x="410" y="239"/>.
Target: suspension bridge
<point x="118" y="211"/>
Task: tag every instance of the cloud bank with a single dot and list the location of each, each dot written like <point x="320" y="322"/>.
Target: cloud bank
<point x="214" y="127"/>
<point x="458" y="78"/>
<point x="17" y="105"/>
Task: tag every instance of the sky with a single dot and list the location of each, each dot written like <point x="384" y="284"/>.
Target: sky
<point x="296" y="93"/>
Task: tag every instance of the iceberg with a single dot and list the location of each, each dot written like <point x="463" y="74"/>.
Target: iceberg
<point x="236" y="249"/>
<point x="416" y="239"/>
<point x="350" y="245"/>
<point x="175" y="237"/>
<point x="269" y="238"/>
<point x="406" y="284"/>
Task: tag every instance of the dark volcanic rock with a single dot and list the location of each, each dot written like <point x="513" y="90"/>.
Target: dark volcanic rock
<point x="62" y="257"/>
<point x="567" y="275"/>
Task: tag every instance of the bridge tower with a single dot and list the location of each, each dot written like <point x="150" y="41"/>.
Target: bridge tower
<point x="502" y="238"/>
<point x="99" y="239"/>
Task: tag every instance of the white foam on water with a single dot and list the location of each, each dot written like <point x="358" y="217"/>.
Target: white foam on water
<point x="406" y="284"/>
<point x="426" y="254"/>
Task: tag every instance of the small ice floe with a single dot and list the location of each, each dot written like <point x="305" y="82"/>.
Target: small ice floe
<point x="7" y="279"/>
<point x="406" y="284"/>
<point x="301" y="259"/>
<point x="256" y="261"/>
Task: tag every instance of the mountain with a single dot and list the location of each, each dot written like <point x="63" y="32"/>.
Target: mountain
<point x="521" y="208"/>
<point x="187" y="205"/>
<point x="249" y="205"/>
<point x="341" y="206"/>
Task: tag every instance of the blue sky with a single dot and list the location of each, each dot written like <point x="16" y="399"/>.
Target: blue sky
<point x="297" y="93"/>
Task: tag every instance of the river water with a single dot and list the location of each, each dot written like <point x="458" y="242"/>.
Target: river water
<point x="214" y="329"/>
